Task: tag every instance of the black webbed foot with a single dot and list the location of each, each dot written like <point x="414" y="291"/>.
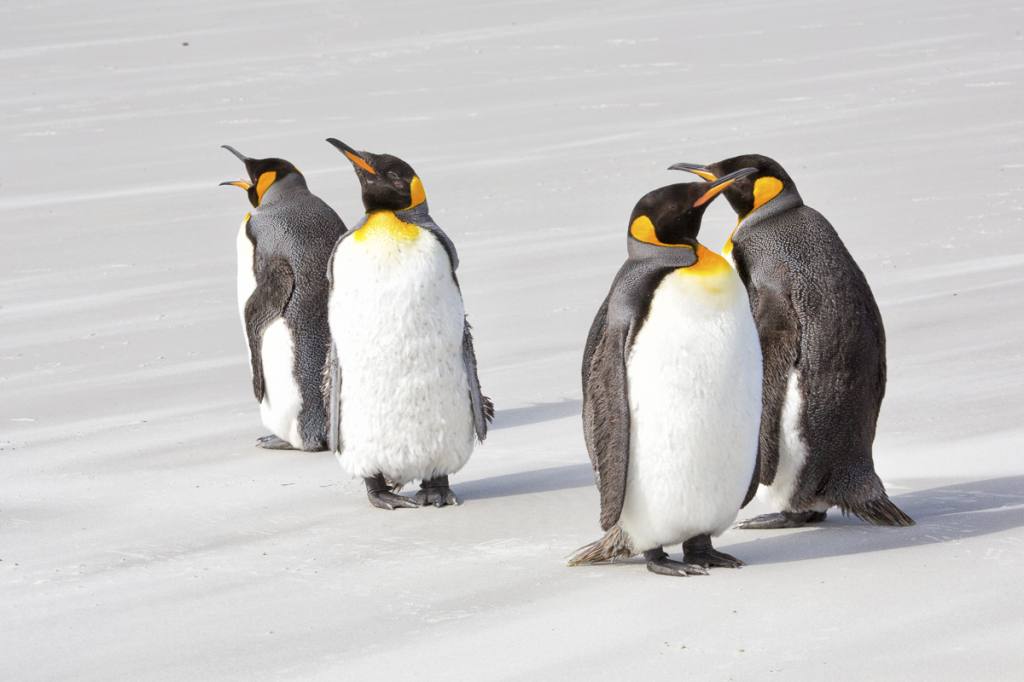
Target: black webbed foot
<point x="381" y="497"/>
<point x="436" y="492"/>
<point x="699" y="552"/>
<point x="782" y="520"/>
<point x="272" y="442"/>
<point x="658" y="562"/>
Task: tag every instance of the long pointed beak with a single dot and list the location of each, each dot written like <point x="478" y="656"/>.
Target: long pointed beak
<point x="352" y="155"/>
<point x="694" y="168"/>
<point x="242" y="157"/>
<point x="718" y="185"/>
<point x="244" y="184"/>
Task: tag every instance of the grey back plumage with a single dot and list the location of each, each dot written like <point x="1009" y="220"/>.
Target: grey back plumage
<point x="293" y="232"/>
<point x="815" y="313"/>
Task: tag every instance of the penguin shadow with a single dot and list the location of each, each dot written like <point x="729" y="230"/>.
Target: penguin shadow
<point x="944" y="514"/>
<point x="527" y="482"/>
<point x="536" y="413"/>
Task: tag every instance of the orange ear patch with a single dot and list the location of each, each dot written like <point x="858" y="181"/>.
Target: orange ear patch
<point x="765" y="189"/>
<point x="416" y="190"/>
<point x="264" y="183"/>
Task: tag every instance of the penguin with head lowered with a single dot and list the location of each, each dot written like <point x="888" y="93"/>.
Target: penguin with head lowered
<point x="824" y="352"/>
<point x="283" y="248"/>
<point x="672" y="391"/>
<point x="401" y="383"/>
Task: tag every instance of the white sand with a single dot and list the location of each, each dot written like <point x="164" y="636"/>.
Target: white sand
<point x="144" y="537"/>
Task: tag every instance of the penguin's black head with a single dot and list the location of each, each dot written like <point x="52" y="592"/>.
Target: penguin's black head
<point x="670" y="216"/>
<point x="767" y="181"/>
<point x="262" y="174"/>
<point x="389" y="184"/>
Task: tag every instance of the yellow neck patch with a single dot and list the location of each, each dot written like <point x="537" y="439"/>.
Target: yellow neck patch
<point x="416" y="190"/>
<point x="709" y="264"/>
<point x="385" y="225"/>
<point x="642" y="230"/>
<point x="264" y="183"/>
<point x="765" y="189"/>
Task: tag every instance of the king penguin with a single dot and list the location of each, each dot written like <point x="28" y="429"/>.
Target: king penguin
<point x="672" y="391"/>
<point x="283" y="247"/>
<point x="401" y="386"/>
<point x="824" y="352"/>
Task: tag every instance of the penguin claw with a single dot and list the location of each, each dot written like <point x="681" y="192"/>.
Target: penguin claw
<point x="272" y="442"/>
<point x="781" y="520"/>
<point x="699" y="552"/>
<point x="383" y="499"/>
<point x="658" y="562"/>
<point x="436" y="492"/>
<point x="382" y="496"/>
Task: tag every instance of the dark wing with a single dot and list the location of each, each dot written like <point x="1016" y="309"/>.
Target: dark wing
<point x="779" y="331"/>
<point x="483" y="408"/>
<point x="274" y="285"/>
<point x="606" y="420"/>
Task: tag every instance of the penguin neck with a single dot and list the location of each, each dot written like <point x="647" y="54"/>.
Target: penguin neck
<point x="289" y="183"/>
<point x="785" y="200"/>
<point x="415" y="215"/>
<point x="677" y="256"/>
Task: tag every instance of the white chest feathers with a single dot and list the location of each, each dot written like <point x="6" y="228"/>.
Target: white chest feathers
<point x="694" y="383"/>
<point x="397" y="320"/>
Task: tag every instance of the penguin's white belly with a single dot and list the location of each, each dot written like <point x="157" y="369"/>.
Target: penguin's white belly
<point x="792" y="451"/>
<point x="694" y="383"/>
<point x="397" y="320"/>
<point x="282" y="400"/>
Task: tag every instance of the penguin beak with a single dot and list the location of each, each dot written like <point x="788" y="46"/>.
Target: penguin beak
<point x="720" y="184"/>
<point x="241" y="157"/>
<point x="696" y="169"/>
<point x="352" y="155"/>
<point x="244" y="184"/>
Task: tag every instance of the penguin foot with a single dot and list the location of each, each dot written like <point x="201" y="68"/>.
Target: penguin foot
<point x="436" y="492"/>
<point x="658" y="562"/>
<point x="782" y="520"/>
<point x="381" y="497"/>
<point x="272" y="442"/>
<point x="698" y="551"/>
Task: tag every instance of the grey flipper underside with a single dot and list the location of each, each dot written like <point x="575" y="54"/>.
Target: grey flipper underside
<point x="483" y="408"/>
<point x="274" y="288"/>
<point x="331" y="388"/>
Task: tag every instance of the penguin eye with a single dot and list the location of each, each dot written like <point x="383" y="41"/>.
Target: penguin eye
<point x="393" y="175"/>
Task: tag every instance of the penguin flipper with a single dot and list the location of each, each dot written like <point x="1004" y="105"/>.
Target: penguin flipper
<point x="331" y="388"/>
<point x="274" y="286"/>
<point x="779" y="331"/>
<point x="755" y="480"/>
<point x="483" y="408"/>
<point x="606" y="420"/>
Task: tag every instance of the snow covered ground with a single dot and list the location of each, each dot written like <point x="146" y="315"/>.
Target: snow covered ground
<point x="144" y="537"/>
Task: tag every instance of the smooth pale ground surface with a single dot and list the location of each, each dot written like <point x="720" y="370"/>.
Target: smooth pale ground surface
<point x="145" y="538"/>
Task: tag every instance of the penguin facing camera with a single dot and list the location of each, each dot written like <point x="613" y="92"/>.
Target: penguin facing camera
<point x="824" y="352"/>
<point x="401" y="383"/>
<point x="672" y="391"/>
<point x="283" y="247"/>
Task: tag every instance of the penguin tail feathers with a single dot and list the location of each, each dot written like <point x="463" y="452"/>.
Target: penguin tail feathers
<point x="879" y="511"/>
<point x="614" y="545"/>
